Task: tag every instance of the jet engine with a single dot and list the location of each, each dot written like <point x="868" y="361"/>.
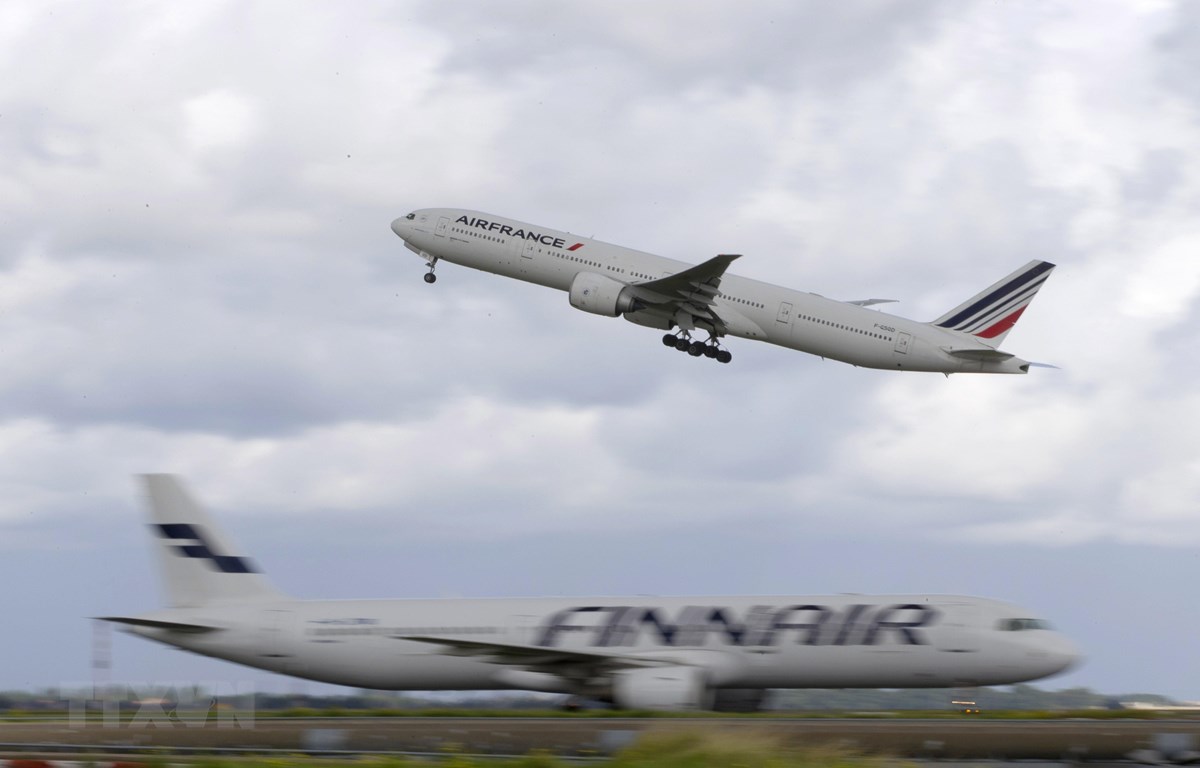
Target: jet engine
<point x="602" y="295"/>
<point x="667" y="689"/>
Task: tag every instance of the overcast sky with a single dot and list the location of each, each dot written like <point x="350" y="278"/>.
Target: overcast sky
<point x="197" y="276"/>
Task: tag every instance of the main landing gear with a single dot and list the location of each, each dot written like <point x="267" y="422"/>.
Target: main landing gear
<point x="711" y="348"/>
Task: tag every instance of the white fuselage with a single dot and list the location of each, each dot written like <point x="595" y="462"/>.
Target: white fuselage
<point x="751" y="309"/>
<point x="738" y="642"/>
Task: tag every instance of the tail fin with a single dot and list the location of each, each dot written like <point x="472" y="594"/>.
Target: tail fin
<point x="196" y="558"/>
<point x="991" y="314"/>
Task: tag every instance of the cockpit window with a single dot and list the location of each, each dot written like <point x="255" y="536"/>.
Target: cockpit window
<point x="1020" y="625"/>
<point x="411" y="216"/>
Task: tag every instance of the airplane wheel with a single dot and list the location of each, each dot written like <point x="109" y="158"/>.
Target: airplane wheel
<point x="710" y="350"/>
<point x="430" y="277"/>
<point x="724" y="356"/>
<point x="696" y="349"/>
<point x="682" y="344"/>
<point x="669" y="340"/>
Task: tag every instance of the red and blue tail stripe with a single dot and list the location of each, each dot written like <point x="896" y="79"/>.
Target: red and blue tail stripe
<point x="991" y="314"/>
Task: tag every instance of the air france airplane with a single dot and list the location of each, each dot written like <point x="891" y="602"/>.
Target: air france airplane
<point x="654" y="653"/>
<point x="683" y="299"/>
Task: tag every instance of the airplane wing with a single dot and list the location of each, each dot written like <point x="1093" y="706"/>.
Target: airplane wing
<point x="174" y="626"/>
<point x="688" y="296"/>
<point x="555" y="660"/>
<point x="871" y="302"/>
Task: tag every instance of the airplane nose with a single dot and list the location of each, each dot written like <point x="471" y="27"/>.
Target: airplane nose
<point x="399" y="226"/>
<point x="1060" y="655"/>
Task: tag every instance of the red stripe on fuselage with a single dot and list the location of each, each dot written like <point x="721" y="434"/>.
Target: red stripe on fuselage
<point x="575" y="247"/>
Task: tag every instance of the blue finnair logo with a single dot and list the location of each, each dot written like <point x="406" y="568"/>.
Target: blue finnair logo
<point x="190" y="542"/>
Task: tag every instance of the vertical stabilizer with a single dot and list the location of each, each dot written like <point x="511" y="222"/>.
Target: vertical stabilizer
<point x="199" y="564"/>
<point x="991" y="314"/>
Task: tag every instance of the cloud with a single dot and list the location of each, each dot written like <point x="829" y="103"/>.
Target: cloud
<point x="239" y="289"/>
<point x="1164" y="283"/>
<point x="220" y="119"/>
<point x="787" y="47"/>
<point x="1177" y="54"/>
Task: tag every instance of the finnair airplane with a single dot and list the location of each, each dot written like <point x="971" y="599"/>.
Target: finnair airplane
<point x="683" y="298"/>
<point x="657" y="653"/>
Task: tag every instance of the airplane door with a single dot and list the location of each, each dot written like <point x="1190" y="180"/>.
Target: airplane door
<point x="443" y="222"/>
<point x="527" y="251"/>
<point x="277" y="638"/>
<point x="785" y="313"/>
<point x="902" y="340"/>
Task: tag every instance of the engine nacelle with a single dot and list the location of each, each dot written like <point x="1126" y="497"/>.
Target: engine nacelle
<point x="601" y="295"/>
<point x="667" y="689"/>
<point x="658" y="321"/>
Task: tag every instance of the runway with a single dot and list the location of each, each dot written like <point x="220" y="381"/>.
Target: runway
<point x="958" y="739"/>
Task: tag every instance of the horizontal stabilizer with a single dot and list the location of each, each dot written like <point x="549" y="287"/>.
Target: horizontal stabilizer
<point x="171" y="626"/>
<point x="986" y="355"/>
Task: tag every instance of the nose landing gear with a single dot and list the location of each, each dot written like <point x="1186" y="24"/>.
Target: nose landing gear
<point x="429" y="276"/>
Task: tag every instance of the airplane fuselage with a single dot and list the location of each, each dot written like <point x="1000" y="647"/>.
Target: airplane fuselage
<point x="748" y="308"/>
<point x="740" y="642"/>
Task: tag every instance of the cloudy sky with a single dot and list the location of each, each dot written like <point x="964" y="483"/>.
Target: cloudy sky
<point x="197" y="276"/>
